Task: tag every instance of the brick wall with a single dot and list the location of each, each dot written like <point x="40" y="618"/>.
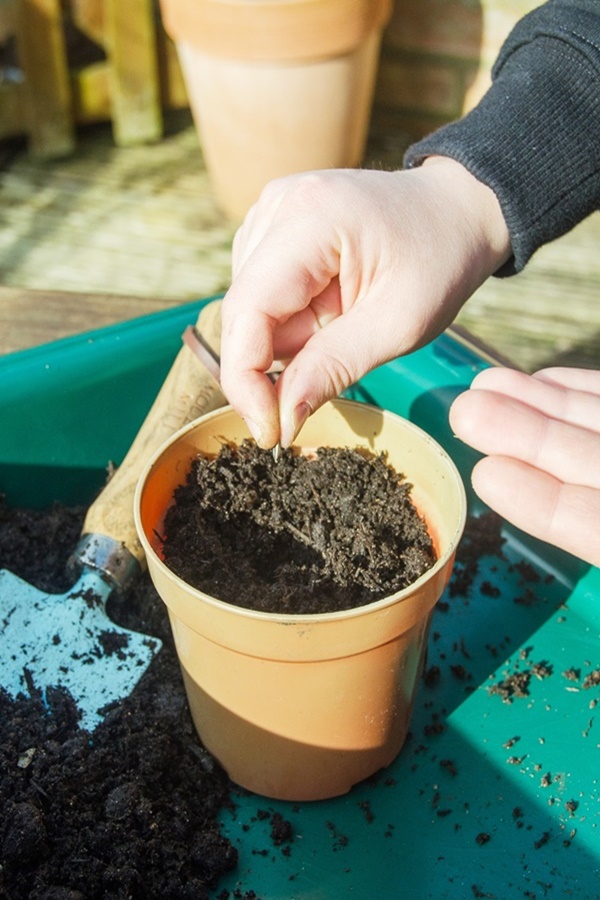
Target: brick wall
<point x="435" y="62"/>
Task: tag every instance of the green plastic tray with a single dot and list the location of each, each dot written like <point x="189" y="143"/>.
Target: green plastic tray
<point x="487" y="798"/>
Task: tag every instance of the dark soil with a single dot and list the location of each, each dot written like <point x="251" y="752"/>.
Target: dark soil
<point x="128" y="811"/>
<point x="299" y="535"/>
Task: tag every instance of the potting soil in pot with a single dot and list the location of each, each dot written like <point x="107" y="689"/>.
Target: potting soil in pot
<point x="298" y="535"/>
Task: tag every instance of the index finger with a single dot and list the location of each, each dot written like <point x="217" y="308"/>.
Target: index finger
<point x="273" y="285"/>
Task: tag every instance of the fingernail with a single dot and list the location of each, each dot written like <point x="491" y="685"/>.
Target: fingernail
<point x="292" y="424"/>
<point x="254" y="430"/>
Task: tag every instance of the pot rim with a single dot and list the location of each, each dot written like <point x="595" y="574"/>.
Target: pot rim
<point x="284" y="30"/>
<point x="306" y="618"/>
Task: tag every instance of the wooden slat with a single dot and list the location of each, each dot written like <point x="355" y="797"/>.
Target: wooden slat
<point x="88" y="16"/>
<point x="91" y="90"/>
<point x="7" y="19"/>
<point x="141" y="78"/>
<point x="30" y="318"/>
<point x="91" y="86"/>
<point x="172" y="86"/>
<point x="41" y="47"/>
<point x="135" y="86"/>
<point x="12" y="101"/>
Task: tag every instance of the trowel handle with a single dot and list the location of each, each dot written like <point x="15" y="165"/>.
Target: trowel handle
<point x="188" y="391"/>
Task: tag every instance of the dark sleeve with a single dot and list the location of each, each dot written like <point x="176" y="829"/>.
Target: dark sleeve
<point x="534" y="138"/>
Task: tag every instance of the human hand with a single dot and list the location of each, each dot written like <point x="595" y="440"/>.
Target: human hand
<point x="541" y="434"/>
<point x="336" y="272"/>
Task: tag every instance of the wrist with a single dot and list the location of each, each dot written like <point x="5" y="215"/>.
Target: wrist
<point x="481" y="209"/>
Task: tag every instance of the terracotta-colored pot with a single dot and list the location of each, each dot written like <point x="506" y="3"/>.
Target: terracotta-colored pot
<point x="303" y="707"/>
<point x="276" y="86"/>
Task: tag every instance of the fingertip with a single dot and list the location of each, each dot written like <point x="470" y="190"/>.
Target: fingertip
<point x="292" y="422"/>
<point x="518" y="492"/>
<point x="264" y="429"/>
<point x="481" y="378"/>
<point x="253" y="397"/>
<point x="497" y="377"/>
<point x="496" y="481"/>
<point x="484" y="477"/>
<point x="255" y="430"/>
<point x="462" y="415"/>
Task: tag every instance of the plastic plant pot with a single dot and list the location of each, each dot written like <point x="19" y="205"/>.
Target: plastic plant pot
<point x="302" y="708"/>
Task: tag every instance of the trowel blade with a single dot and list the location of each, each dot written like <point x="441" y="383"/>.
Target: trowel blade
<point x="67" y="640"/>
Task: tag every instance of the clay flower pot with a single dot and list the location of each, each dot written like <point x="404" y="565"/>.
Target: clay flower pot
<point x="276" y="86"/>
<point x="304" y="707"/>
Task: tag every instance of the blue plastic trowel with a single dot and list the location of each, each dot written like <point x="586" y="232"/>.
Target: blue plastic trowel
<point x="67" y="640"/>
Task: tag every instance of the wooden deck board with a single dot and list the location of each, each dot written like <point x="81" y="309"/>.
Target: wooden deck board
<point x="550" y="313"/>
<point x="113" y="232"/>
<point x="29" y="318"/>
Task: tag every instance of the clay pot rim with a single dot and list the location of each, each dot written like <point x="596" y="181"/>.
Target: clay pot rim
<point x="291" y="30"/>
<point x="444" y="559"/>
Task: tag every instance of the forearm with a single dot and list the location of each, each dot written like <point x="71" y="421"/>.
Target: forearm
<point x="534" y="139"/>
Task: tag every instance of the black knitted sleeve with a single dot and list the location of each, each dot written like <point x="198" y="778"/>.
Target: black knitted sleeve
<point x="534" y="138"/>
